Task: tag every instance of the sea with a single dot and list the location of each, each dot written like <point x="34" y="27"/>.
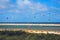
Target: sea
<point x="53" y="28"/>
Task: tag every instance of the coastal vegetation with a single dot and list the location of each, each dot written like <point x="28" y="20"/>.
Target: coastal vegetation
<point x="22" y="35"/>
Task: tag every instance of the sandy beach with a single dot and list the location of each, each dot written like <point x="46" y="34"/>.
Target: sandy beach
<point x="33" y="31"/>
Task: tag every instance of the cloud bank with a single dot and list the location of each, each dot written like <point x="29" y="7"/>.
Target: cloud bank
<point x="22" y="6"/>
<point x="29" y="10"/>
<point x="32" y="7"/>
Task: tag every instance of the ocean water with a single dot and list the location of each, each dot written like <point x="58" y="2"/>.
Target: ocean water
<point x="55" y="28"/>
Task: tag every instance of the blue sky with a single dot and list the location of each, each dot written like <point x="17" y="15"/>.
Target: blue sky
<point x="29" y="10"/>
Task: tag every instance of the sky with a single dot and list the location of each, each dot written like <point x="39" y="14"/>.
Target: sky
<point x="29" y="10"/>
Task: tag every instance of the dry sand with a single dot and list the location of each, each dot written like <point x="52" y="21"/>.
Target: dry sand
<point x="33" y="31"/>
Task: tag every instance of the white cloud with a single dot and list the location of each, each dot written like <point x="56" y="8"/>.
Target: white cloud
<point x="23" y="6"/>
<point x="4" y="1"/>
<point x="6" y="6"/>
<point x="26" y="2"/>
<point x="32" y="7"/>
<point x="3" y="4"/>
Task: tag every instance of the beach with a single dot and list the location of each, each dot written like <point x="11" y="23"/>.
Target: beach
<point x="33" y="31"/>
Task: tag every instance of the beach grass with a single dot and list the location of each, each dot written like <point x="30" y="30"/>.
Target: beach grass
<point x="22" y="35"/>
